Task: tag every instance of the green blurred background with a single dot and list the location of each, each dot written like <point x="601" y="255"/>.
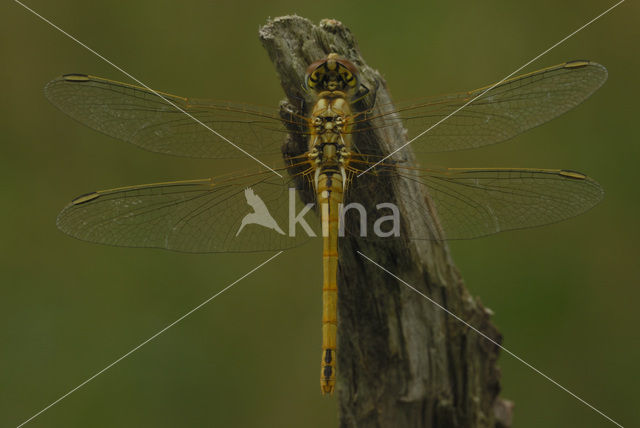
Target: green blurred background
<point x="564" y="296"/>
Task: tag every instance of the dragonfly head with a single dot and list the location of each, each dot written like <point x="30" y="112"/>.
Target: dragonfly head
<point x="332" y="74"/>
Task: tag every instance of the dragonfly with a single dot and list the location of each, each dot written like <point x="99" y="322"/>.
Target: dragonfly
<point x="330" y="171"/>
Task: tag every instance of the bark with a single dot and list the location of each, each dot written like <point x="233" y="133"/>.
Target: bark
<point x="402" y="361"/>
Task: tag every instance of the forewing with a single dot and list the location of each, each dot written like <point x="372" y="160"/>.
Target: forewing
<point x="141" y="117"/>
<point x="518" y="104"/>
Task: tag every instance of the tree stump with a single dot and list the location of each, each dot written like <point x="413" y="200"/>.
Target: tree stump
<point x="402" y="362"/>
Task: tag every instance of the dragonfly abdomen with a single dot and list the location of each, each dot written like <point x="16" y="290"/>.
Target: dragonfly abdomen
<point x="329" y="193"/>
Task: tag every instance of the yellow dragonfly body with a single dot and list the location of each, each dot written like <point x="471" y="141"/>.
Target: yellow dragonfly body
<point x="246" y="211"/>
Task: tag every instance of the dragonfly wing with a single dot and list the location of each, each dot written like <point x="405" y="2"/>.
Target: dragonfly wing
<point x="139" y="116"/>
<point x="475" y="202"/>
<point x="240" y="214"/>
<point x="507" y="109"/>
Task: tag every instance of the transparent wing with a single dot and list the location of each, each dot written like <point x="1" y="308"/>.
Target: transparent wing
<point x="139" y="116"/>
<point x="477" y="202"/>
<point x="474" y="202"/>
<point x="508" y="109"/>
<point x="243" y="213"/>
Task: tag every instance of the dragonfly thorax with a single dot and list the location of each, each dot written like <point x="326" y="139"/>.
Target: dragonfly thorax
<point x="330" y="142"/>
<point x="330" y="132"/>
<point x="331" y="118"/>
<point x="329" y="154"/>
